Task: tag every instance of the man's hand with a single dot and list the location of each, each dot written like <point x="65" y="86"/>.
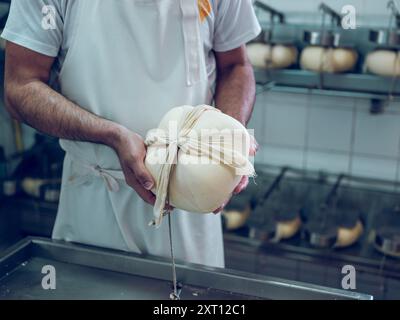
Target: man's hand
<point x="131" y="151"/>
<point x="245" y="179"/>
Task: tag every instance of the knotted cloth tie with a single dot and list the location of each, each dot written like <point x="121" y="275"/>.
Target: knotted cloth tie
<point x="184" y="140"/>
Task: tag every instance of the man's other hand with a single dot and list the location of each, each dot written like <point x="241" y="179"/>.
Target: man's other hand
<point x="245" y="179"/>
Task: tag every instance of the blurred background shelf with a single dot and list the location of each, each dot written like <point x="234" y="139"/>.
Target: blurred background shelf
<point x="347" y="84"/>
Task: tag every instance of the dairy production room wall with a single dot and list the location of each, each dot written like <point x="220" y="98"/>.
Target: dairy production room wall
<point x="330" y="133"/>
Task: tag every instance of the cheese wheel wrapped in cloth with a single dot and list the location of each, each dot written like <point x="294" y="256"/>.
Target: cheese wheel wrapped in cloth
<point x="265" y="56"/>
<point x="333" y="60"/>
<point x="197" y="157"/>
<point x="384" y="63"/>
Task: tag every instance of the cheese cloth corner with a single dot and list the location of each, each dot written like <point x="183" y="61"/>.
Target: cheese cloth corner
<point x="189" y="143"/>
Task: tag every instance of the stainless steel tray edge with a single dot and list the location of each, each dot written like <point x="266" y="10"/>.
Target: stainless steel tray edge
<point x="157" y="268"/>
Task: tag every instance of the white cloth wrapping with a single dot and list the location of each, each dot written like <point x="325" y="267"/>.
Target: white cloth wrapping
<point x="187" y="143"/>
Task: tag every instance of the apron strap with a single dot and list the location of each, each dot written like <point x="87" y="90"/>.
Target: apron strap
<point x="110" y="177"/>
<point x="192" y="40"/>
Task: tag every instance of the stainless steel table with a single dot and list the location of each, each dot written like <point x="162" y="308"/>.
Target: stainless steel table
<point x="84" y="272"/>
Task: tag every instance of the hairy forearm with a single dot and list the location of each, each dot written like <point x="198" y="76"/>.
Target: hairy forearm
<point x="39" y="106"/>
<point x="235" y="92"/>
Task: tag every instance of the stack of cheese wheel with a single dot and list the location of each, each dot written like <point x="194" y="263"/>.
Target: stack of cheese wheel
<point x="333" y="60"/>
<point x="207" y="161"/>
<point x="384" y="63"/>
<point x="265" y="56"/>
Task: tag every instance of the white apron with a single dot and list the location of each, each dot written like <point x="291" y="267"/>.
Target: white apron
<point x="130" y="62"/>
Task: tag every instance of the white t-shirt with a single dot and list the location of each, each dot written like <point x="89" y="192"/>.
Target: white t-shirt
<point x="231" y="24"/>
<point x="88" y="212"/>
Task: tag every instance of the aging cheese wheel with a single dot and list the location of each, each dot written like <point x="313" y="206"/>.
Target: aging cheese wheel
<point x="334" y="60"/>
<point x="32" y="186"/>
<point x="236" y="219"/>
<point x="287" y="229"/>
<point x="346" y="237"/>
<point x="265" y="56"/>
<point x="383" y="63"/>
<point x="209" y="160"/>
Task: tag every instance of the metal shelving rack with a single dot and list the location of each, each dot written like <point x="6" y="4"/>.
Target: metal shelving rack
<point x="354" y="84"/>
